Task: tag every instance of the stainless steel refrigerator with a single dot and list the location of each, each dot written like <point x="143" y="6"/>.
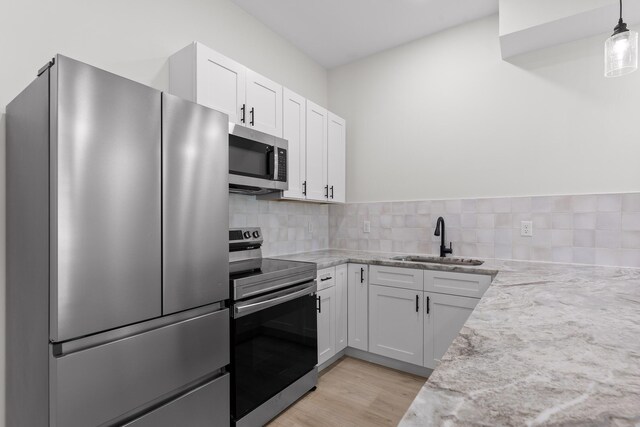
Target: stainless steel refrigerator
<point x="117" y="256"/>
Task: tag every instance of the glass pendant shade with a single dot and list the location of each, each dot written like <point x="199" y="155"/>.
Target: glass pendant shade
<point x="621" y="54"/>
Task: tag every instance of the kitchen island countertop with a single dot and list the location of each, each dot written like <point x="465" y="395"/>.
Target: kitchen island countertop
<point x="548" y="344"/>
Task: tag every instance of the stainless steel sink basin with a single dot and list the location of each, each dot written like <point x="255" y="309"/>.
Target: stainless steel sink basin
<point x="438" y="260"/>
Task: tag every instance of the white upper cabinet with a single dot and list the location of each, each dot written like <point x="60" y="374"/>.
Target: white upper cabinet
<point x="294" y="113"/>
<point x="200" y="74"/>
<point x="264" y="104"/>
<point x="220" y="83"/>
<point x="317" y="187"/>
<point x="336" y="158"/>
<point x="316" y="153"/>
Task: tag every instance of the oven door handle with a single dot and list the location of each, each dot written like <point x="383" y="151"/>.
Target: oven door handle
<point x="243" y="309"/>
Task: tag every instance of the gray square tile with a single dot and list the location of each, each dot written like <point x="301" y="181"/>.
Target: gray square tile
<point x="631" y="202"/>
<point x="609" y="202"/>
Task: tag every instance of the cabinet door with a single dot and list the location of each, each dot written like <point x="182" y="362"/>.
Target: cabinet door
<point x="341" y="307"/>
<point x="326" y="324"/>
<point x="396" y="323"/>
<point x="444" y="317"/>
<point x="220" y="83"/>
<point x="358" y="303"/>
<point x="317" y="188"/>
<point x="264" y="104"/>
<point x="336" y="154"/>
<point x="294" y="130"/>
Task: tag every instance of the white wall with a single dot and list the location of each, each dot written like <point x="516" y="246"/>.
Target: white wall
<point x="518" y="15"/>
<point x="134" y="39"/>
<point x="446" y="117"/>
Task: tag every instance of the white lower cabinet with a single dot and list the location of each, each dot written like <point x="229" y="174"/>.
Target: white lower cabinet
<point x="389" y="314"/>
<point x="358" y="302"/>
<point x="341" y="307"/>
<point x="444" y="316"/>
<point x="396" y="323"/>
<point x="326" y="324"/>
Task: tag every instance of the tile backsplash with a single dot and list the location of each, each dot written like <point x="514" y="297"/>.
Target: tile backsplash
<point x="601" y="229"/>
<point x="285" y="225"/>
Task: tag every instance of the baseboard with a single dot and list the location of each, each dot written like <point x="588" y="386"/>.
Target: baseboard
<point x="388" y="362"/>
<point x="332" y="360"/>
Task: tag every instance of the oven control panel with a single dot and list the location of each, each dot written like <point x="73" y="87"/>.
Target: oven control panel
<point x="247" y="235"/>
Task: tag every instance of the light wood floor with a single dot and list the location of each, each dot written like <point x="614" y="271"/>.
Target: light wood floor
<point x="353" y="392"/>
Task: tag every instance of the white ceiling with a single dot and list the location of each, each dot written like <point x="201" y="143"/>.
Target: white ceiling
<point x="334" y="32"/>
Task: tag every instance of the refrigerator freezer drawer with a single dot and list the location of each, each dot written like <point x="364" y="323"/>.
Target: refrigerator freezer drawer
<point x="96" y="385"/>
<point x="206" y="406"/>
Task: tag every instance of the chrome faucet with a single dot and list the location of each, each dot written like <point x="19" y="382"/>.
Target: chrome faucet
<point x="443" y="249"/>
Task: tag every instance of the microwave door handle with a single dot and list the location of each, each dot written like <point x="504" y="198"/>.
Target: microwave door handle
<point x="243" y="310"/>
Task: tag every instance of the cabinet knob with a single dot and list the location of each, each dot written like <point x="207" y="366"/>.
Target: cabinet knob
<point x="242" y="110"/>
<point x="253" y="114"/>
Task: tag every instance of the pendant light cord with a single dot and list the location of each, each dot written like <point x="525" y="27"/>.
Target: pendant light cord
<point x="620" y="10"/>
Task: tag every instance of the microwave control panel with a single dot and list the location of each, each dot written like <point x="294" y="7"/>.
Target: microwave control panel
<point x="282" y="165"/>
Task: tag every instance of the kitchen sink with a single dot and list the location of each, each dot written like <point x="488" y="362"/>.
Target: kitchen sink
<point x="438" y="260"/>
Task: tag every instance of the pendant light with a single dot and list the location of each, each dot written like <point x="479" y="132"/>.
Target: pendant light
<point x="621" y="50"/>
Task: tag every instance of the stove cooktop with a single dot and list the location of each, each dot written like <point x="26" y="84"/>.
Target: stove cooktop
<point x="255" y="276"/>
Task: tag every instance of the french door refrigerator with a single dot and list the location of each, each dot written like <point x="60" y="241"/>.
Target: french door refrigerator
<point x="117" y="254"/>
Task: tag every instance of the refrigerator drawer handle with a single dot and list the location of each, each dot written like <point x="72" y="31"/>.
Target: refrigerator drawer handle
<point x="243" y="310"/>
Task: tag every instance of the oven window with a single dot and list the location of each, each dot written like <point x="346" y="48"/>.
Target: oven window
<point x="272" y="348"/>
<point x="250" y="158"/>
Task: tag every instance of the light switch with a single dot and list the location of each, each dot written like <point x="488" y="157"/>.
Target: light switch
<point x="367" y="227"/>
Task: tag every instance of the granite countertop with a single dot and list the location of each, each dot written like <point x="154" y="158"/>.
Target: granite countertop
<point x="548" y="344"/>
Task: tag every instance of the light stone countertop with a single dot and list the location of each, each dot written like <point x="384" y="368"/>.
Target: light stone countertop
<point x="548" y="344"/>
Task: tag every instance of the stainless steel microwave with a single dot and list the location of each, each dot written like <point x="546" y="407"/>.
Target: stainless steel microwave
<point x="257" y="161"/>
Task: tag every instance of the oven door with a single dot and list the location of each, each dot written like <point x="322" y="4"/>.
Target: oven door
<point x="274" y="344"/>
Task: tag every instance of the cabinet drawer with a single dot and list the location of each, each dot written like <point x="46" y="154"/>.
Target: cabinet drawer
<point x="463" y="284"/>
<point x="206" y="406"/>
<point x="92" y="386"/>
<point x="326" y="278"/>
<point x="405" y="278"/>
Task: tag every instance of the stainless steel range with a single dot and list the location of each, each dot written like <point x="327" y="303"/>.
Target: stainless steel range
<point x="274" y="348"/>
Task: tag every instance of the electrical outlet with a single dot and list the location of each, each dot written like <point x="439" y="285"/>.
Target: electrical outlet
<point x="526" y="228"/>
<point x="310" y="227"/>
<point x="367" y="227"/>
